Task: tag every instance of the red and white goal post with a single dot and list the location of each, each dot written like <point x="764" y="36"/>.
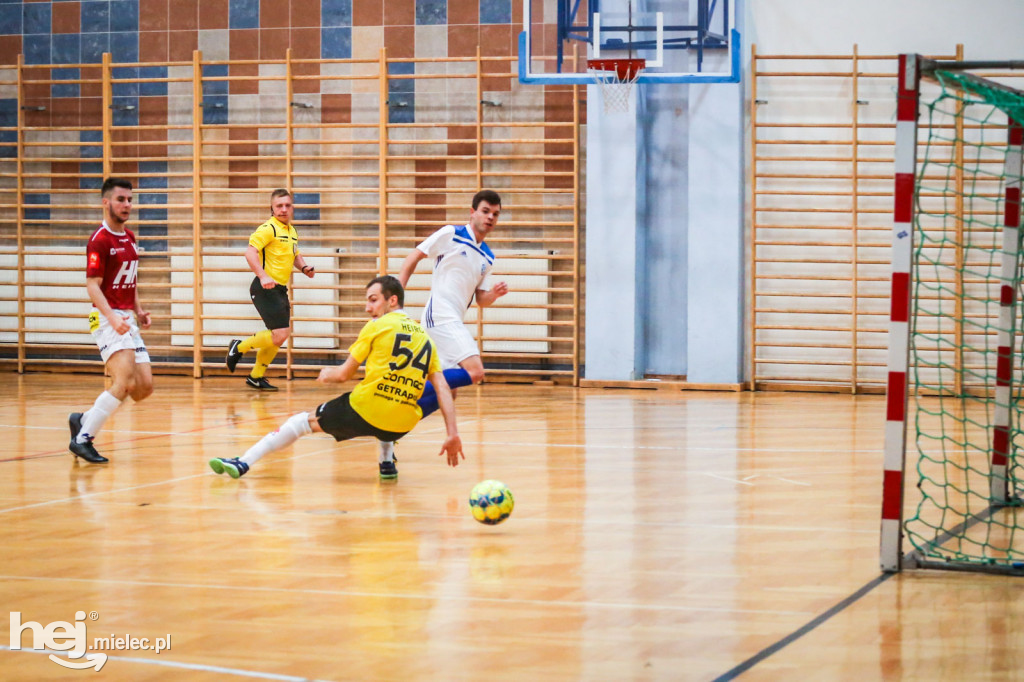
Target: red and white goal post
<point x="954" y="360"/>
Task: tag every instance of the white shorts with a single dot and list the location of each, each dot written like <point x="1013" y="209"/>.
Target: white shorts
<point x="109" y="341"/>
<point x="454" y="343"/>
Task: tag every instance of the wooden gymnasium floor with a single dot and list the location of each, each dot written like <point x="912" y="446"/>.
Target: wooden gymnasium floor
<point x="656" y="536"/>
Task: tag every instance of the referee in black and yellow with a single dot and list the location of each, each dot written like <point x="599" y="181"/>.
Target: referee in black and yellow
<point x="272" y="253"/>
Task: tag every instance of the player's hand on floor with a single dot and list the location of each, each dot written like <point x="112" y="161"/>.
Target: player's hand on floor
<point x="452" y="446"/>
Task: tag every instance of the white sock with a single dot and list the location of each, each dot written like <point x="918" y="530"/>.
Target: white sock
<point x="387" y="451"/>
<point x="92" y="421"/>
<point x="295" y="428"/>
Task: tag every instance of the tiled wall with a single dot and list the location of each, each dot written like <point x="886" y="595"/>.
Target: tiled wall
<point x="79" y="31"/>
<point x="441" y="142"/>
<point x="243" y="43"/>
<point x="162" y="32"/>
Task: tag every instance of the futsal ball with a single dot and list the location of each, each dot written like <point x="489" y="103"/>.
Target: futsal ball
<point x="491" y="502"/>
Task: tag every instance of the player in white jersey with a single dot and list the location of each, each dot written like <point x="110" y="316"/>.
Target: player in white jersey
<point x="462" y="265"/>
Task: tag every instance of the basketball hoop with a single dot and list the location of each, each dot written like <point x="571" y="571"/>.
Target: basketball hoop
<point x="615" y="78"/>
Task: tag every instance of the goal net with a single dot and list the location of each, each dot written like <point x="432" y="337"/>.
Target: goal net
<point x="953" y="460"/>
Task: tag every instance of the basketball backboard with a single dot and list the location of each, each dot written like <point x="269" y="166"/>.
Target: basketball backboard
<point x="698" y="43"/>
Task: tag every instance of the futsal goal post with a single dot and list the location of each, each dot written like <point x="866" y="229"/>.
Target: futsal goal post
<point x="955" y="394"/>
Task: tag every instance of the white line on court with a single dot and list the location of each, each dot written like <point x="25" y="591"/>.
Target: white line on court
<point x="663" y="608"/>
<point x="621" y="446"/>
<point x="419" y="438"/>
<point x="136" y="432"/>
<point x="64" y="429"/>
<point x="335" y="446"/>
<point x="177" y="664"/>
<point x="97" y="494"/>
<point x="144" y="485"/>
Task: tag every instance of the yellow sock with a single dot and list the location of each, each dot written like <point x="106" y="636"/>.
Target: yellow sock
<point x="264" y="356"/>
<point x="260" y="340"/>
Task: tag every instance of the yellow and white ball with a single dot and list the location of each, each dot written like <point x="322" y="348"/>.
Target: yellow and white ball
<point x="491" y="502"/>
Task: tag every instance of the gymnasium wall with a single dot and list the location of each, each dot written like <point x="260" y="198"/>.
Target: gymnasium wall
<point x="247" y="32"/>
<point x="383" y="117"/>
<point x="988" y="29"/>
<point x="821" y="225"/>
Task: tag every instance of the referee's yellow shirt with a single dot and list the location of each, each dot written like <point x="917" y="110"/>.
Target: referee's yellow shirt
<point x="399" y="357"/>
<point x="278" y="245"/>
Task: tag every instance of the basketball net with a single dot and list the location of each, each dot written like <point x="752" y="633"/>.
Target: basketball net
<point x="615" y="79"/>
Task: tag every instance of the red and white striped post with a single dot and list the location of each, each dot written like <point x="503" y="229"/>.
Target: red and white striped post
<point x="999" y="488"/>
<point x="907" y="97"/>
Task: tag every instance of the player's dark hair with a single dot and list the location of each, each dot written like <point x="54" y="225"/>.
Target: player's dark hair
<point x="488" y="195"/>
<point x="110" y="183"/>
<point x="279" y="193"/>
<point x="389" y="286"/>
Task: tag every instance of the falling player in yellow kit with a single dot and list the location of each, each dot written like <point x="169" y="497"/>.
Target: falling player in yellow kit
<point x="400" y="358"/>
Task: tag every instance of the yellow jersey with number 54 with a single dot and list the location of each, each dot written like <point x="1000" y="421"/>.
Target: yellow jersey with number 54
<point x="399" y="357"/>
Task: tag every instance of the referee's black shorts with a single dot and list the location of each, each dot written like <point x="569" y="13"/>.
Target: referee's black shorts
<point x="337" y="418"/>
<point x="272" y="304"/>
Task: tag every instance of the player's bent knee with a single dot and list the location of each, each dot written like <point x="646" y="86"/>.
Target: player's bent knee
<point x="141" y="392"/>
<point x="279" y="336"/>
<point x="476" y="374"/>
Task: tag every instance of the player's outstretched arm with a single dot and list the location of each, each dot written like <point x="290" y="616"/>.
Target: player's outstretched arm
<point x="452" y="445"/>
<point x="409" y="265"/>
<point x="340" y="373"/>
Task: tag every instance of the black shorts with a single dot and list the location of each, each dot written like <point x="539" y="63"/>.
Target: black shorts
<point x="337" y="418"/>
<point x="272" y="304"/>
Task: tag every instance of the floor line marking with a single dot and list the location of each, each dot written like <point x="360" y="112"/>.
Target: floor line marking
<point x="412" y="597"/>
<point x="139" y="487"/>
<point x="237" y="672"/>
<point x="462" y="425"/>
<point x="684" y="448"/>
<point x="146" y="435"/>
<point x="803" y="630"/>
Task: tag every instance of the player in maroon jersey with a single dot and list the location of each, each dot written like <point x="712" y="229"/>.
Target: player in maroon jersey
<point x="110" y="279"/>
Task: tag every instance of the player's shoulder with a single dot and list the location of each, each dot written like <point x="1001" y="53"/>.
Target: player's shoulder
<point x="377" y="325"/>
<point x="396" y="318"/>
<point x="398" y="321"/>
<point x="102" y="236"/>
<point x="487" y="251"/>
<point x="270" y="229"/>
<point x="370" y="324"/>
<point x="279" y="227"/>
<point x="440" y="238"/>
<point x="446" y="231"/>
<point x="263" y="235"/>
<point x="464" y="235"/>
<point x="99" y="234"/>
